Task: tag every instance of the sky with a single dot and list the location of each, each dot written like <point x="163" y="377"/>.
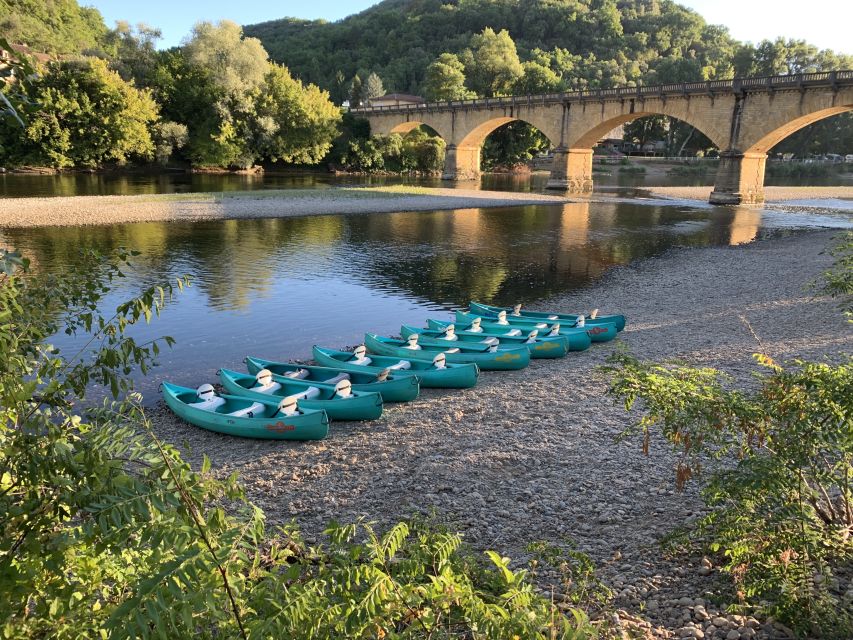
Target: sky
<point x="825" y="23"/>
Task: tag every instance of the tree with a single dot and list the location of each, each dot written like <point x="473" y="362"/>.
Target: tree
<point x="132" y="51"/>
<point x="83" y="114"/>
<point x="302" y="121"/>
<point x="356" y="92"/>
<point x="168" y="137"/>
<point x="512" y="144"/>
<point x="445" y="79"/>
<point x="492" y="64"/>
<point x="372" y="88"/>
<point x="52" y="26"/>
<point x="537" y="79"/>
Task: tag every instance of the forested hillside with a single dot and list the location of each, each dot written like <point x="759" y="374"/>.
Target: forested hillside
<point x="576" y="43"/>
<point x="52" y="26"/>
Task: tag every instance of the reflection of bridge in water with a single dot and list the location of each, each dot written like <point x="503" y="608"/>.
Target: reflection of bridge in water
<point x="744" y="118"/>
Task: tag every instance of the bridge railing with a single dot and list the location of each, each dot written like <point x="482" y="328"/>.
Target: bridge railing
<point x="710" y="87"/>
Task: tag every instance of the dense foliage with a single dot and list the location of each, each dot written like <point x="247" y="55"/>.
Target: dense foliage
<point x="780" y="457"/>
<point x="107" y="532"/>
<point x="83" y="115"/>
<point x="52" y="26"/>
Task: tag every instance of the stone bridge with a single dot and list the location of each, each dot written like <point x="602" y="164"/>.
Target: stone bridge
<point x="744" y="118"/>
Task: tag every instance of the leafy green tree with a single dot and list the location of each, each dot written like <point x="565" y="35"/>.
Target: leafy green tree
<point x="445" y="79"/>
<point x="132" y="51"/>
<point x="491" y="64"/>
<point x="52" y="26"/>
<point x="168" y="137"/>
<point x="356" y="92"/>
<point x="513" y="143"/>
<point x="373" y="87"/>
<point x="537" y="79"/>
<point x="301" y="121"/>
<point x="83" y="114"/>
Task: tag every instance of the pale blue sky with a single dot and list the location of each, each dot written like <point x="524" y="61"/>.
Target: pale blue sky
<point x="826" y="23"/>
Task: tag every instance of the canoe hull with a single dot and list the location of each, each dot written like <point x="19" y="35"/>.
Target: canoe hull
<point x="508" y="360"/>
<point x="308" y="425"/>
<point x="492" y="311"/>
<point x="361" y="406"/>
<point x="455" y="376"/>
<point x="579" y="339"/>
<point x="394" y="389"/>
<point x="555" y="347"/>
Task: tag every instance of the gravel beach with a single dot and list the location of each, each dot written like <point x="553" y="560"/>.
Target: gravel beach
<point x="533" y="454"/>
<point x="267" y="203"/>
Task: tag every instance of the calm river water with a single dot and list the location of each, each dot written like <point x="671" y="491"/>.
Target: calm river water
<point x="275" y="287"/>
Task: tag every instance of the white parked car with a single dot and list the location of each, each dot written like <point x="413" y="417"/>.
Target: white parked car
<point x="849" y="158"/>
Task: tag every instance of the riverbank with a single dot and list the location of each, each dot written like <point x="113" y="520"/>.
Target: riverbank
<point x="533" y="455"/>
<point x="265" y="203"/>
<point x="771" y="194"/>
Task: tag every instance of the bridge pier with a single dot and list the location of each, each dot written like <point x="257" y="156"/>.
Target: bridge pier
<point x="461" y="163"/>
<point x="740" y="178"/>
<point x="571" y="170"/>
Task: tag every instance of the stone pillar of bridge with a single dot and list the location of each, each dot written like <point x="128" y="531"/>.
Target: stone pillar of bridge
<point x="571" y="170"/>
<point x="740" y="178"/>
<point x="461" y="163"/>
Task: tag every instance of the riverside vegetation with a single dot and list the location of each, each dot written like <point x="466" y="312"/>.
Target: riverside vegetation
<point x="218" y="101"/>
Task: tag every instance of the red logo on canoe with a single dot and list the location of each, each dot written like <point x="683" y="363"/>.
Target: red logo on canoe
<point x="280" y="427"/>
<point x="594" y="331"/>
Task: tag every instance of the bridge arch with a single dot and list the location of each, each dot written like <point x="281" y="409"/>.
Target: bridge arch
<point x="410" y="125"/>
<point x="776" y="131"/>
<point x="590" y="137"/>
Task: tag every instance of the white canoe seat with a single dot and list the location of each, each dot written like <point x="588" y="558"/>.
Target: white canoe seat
<point x="502" y="318"/>
<point x="265" y="383"/>
<point x="309" y="394"/>
<point x="581" y="322"/>
<point x="360" y="356"/>
<point x="516" y="310"/>
<point x="513" y="332"/>
<point x="403" y="365"/>
<point x="288" y="406"/>
<point x="553" y="317"/>
<point x="555" y="330"/>
<point x="541" y="325"/>
<point x="593" y="314"/>
<point x="337" y="378"/>
<point x="382" y="376"/>
<point x="491" y="340"/>
<point x="253" y="410"/>
<point x="412" y="342"/>
<point x="475" y="326"/>
<point x="208" y="400"/>
<point x="453" y="350"/>
<point x="299" y="374"/>
<point x="450" y="333"/>
<point x="531" y="337"/>
<point x="440" y="361"/>
<point x="343" y="389"/>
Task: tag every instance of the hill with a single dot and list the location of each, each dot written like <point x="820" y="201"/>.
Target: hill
<point x="588" y="42"/>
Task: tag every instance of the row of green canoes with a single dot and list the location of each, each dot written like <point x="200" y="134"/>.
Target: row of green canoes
<point x="278" y="400"/>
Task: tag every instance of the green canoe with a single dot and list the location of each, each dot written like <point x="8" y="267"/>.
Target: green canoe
<point x="492" y="311"/>
<point x="448" y="376"/>
<point x="265" y="421"/>
<point x="553" y="347"/>
<point x="604" y="332"/>
<point x="482" y="356"/>
<point x="392" y="387"/>
<point x="358" y="405"/>
<point x="579" y="339"/>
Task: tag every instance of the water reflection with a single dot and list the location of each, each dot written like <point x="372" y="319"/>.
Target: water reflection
<point x="274" y="287"/>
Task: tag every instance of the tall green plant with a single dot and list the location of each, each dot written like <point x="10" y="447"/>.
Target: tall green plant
<point x="781" y="462"/>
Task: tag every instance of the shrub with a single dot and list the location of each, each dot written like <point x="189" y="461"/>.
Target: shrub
<point x="781" y="460"/>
